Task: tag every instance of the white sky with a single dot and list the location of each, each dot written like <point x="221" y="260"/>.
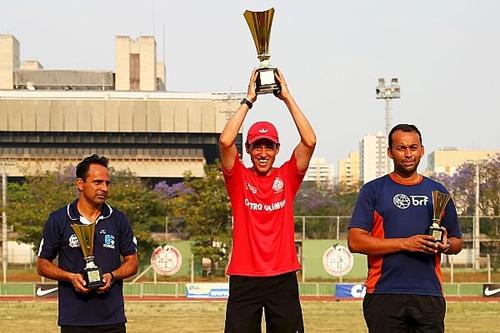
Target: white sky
<point x="446" y="54"/>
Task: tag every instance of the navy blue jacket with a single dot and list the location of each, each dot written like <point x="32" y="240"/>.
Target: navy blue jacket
<point x="388" y="209"/>
<point x="113" y="238"/>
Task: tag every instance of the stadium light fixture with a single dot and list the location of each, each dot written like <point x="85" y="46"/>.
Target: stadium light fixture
<point x="388" y="93"/>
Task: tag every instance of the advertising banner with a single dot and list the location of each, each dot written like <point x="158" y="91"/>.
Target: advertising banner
<point x="207" y="290"/>
<point x="46" y="290"/>
<point x="491" y="290"/>
<point x="350" y="290"/>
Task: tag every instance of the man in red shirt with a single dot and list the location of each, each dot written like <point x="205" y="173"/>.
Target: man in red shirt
<point x="263" y="260"/>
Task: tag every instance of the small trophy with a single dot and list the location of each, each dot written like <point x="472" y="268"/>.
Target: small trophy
<point x="91" y="273"/>
<point x="260" y="26"/>
<point x="439" y="202"/>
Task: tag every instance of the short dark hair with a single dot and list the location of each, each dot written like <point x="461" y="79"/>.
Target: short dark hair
<point x="82" y="168"/>
<point x="404" y="128"/>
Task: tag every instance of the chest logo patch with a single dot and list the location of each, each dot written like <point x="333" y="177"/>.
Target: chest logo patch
<point x="73" y="241"/>
<point x="401" y="201"/>
<point x="109" y="241"/>
<point x="251" y="188"/>
<point x="278" y="184"/>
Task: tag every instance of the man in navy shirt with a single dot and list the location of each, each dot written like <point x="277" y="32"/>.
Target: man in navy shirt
<point x="82" y="309"/>
<point x="390" y="224"/>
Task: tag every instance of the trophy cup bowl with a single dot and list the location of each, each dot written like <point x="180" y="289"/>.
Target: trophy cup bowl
<point x="260" y="26"/>
<point x="91" y="273"/>
<point x="439" y="202"/>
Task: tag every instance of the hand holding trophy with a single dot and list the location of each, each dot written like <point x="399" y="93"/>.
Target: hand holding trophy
<point x="439" y="202"/>
<point x="260" y="26"/>
<point x="91" y="273"/>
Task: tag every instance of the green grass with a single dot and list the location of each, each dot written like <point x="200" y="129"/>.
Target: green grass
<point x="179" y="317"/>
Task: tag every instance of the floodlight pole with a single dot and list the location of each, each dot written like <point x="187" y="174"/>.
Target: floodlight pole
<point x="388" y="93"/>
<point x="475" y="229"/>
<point x="387" y="117"/>
<point x="4" y="223"/>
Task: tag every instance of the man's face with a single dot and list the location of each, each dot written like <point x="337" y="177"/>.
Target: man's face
<point x="94" y="189"/>
<point x="406" y="152"/>
<point x="263" y="152"/>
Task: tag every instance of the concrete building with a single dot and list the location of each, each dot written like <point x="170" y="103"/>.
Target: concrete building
<point x="373" y="156"/>
<point x="447" y="160"/>
<point x="152" y="134"/>
<point x="136" y="64"/>
<point x="49" y="118"/>
<point x="349" y="173"/>
<point x="320" y="172"/>
<point x="9" y="60"/>
<point x="136" y="69"/>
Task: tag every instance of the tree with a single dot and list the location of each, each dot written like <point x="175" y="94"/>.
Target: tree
<point x="462" y="186"/>
<point x="31" y="202"/>
<point x="204" y="206"/>
<point x="146" y="209"/>
<point x="322" y="201"/>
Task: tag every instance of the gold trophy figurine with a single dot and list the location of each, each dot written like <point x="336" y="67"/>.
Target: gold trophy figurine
<point x="91" y="273"/>
<point x="260" y="26"/>
<point x="439" y="202"/>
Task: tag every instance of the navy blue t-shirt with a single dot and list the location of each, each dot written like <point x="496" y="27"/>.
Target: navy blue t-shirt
<point x="388" y="209"/>
<point x="113" y="238"/>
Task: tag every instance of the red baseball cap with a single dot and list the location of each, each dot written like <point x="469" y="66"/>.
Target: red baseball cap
<point x="262" y="130"/>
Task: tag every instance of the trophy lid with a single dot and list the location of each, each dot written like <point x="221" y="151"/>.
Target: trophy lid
<point x="85" y="235"/>
<point x="260" y="26"/>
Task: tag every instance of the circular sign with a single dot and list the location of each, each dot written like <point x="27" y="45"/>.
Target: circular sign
<point x="166" y="260"/>
<point x="338" y="260"/>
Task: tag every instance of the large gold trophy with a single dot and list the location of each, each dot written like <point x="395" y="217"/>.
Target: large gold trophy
<point x="91" y="273"/>
<point x="439" y="202"/>
<point x="260" y="26"/>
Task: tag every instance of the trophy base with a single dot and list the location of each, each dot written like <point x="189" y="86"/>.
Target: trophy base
<point x="93" y="277"/>
<point x="437" y="233"/>
<point x="266" y="81"/>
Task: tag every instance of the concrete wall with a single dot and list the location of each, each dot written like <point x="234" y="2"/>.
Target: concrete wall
<point x="160" y="74"/>
<point x="145" y="48"/>
<point x="114" y="112"/>
<point x="122" y="63"/>
<point x="114" y="115"/>
<point x="20" y="253"/>
<point x="9" y="60"/>
<point x="147" y="52"/>
<point x="174" y="167"/>
<point x="31" y="65"/>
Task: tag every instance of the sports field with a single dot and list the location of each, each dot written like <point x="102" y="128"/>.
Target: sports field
<point x="178" y="317"/>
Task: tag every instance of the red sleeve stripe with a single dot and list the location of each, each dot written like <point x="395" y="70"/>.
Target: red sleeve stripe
<point x="437" y="267"/>
<point x="375" y="262"/>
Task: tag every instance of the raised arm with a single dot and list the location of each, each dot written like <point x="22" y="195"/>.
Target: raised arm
<point x="227" y="146"/>
<point x="304" y="150"/>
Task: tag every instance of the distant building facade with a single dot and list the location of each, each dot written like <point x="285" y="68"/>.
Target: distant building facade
<point x="54" y="117"/>
<point x="447" y="160"/>
<point x="320" y="172"/>
<point x="373" y="156"/>
<point x="349" y="173"/>
<point x="136" y="69"/>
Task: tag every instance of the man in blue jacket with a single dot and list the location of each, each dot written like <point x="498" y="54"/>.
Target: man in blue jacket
<point x="115" y="250"/>
<point x="390" y="224"/>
